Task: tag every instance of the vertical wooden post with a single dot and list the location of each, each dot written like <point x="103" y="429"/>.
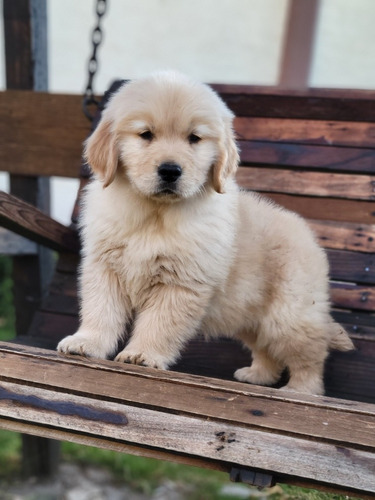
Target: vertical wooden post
<point x="298" y="44"/>
<point x="25" y="32"/>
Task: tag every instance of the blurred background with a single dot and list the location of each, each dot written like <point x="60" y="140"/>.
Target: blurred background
<point x="291" y="43"/>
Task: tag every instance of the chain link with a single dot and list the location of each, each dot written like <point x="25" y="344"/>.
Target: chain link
<point x="96" y="40"/>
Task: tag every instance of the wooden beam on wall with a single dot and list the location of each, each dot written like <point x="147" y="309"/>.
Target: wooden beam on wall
<point x="298" y="44"/>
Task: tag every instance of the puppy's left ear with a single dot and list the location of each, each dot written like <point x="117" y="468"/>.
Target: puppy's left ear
<point x="227" y="161"/>
<point x="101" y="152"/>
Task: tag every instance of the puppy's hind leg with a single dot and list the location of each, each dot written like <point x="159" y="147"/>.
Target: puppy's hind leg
<point x="305" y="360"/>
<point x="264" y="370"/>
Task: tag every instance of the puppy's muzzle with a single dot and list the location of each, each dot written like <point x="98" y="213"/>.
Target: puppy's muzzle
<point x="169" y="173"/>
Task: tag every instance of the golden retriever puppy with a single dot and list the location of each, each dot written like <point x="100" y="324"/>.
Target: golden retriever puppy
<point x="171" y="245"/>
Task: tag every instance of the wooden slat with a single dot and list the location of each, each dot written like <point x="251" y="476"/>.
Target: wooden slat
<point x="327" y="209"/>
<point x="351" y="296"/>
<point x="351" y="266"/>
<point x="28" y="221"/>
<point x="231" y="423"/>
<point x="41" y="134"/>
<point x="313" y="104"/>
<point x="356" y="187"/>
<point x="319" y="132"/>
<point x="345" y="235"/>
<point x="331" y="158"/>
<point x="52" y="327"/>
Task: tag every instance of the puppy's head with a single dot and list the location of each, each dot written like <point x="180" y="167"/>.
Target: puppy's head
<point x="169" y="136"/>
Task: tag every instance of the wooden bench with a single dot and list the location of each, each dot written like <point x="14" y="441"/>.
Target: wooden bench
<point x="312" y="152"/>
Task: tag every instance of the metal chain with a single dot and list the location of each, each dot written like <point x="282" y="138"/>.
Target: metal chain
<point x="96" y="39"/>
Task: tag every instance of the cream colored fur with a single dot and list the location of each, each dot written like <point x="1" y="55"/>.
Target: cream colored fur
<point x="202" y="255"/>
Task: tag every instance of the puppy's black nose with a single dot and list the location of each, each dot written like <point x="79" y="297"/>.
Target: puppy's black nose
<point x="169" y="172"/>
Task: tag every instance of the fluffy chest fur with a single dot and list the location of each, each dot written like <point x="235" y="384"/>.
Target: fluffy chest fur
<point x="145" y="244"/>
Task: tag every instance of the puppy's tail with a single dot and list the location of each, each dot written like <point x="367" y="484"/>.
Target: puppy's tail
<point x="340" y="339"/>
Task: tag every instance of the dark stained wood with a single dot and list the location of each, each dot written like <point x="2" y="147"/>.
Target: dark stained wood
<point x="345" y="235"/>
<point x="51" y="129"/>
<point x="327" y="209"/>
<point x="26" y="220"/>
<point x="312" y="104"/>
<point x="18" y="56"/>
<point x="52" y="327"/>
<point x="304" y="182"/>
<point x="352" y="266"/>
<point x="25" y="42"/>
<point x="319" y="132"/>
<point x="352" y="296"/>
<point x="308" y="156"/>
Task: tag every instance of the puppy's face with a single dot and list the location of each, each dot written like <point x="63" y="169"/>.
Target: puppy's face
<point x="170" y="137"/>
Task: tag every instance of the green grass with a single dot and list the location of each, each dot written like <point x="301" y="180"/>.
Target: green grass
<point x="6" y="300"/>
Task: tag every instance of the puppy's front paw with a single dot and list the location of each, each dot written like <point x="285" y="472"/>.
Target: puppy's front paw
<point x="142" y="358"/>
<point x="83" y="344"/>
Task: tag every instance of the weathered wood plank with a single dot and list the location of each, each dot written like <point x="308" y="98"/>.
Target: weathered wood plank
<point x="351" y="266"/>
<point x="50" y="128"/>
<point x="154" y="422"/>
<point x="226" y="407"/>
<point x="331" y="158"/>
<point x="313" y="104"/>
<point x="30" y="222"/>
<point x="345" y="235"/>
<point x="351" y="296"/>
<point x="313" y="460"/>
<point x="52" y="327"/>
<point x="355" y="187"/>
<point x="321" y="132"/>
<point x="327" y="209"/>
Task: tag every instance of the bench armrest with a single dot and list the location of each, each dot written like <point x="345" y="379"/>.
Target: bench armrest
<point x="26" y="220"/>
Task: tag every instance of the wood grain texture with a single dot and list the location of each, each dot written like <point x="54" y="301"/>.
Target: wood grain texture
<point x="41" y="134"/>
<point x="345" y="235"/>
<point x="28" y="221"/>
<point x="355" y="187"/>
<point x="352" y="296"/>
<point x="327" y="209"/>
<point x="312" y="104"/>
<point x="318" y="132"/>
<point x="221" y="421"/>
<point x="308" y="156"/>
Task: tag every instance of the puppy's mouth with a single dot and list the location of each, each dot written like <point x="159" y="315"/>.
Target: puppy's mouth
<point x="167" y="192"/>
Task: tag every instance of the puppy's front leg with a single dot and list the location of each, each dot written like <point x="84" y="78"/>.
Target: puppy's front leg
<point x="105" y="311"/>
<point x="169" y="319"/>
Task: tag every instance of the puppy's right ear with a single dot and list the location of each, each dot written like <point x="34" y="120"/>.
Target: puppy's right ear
<point x="101" y="152"/>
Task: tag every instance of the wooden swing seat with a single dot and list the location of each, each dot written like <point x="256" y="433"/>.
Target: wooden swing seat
<point x="312" y="152"/>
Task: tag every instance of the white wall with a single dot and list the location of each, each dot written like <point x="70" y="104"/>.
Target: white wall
<point x="226" y="40"/>
<point x="345" y="45"/>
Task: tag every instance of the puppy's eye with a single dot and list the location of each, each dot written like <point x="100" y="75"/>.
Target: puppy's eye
<point x="193" y="138"/>
<point x="147" y="135"/>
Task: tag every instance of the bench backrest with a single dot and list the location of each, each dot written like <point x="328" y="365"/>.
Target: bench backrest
<point x="312" y="152"/>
